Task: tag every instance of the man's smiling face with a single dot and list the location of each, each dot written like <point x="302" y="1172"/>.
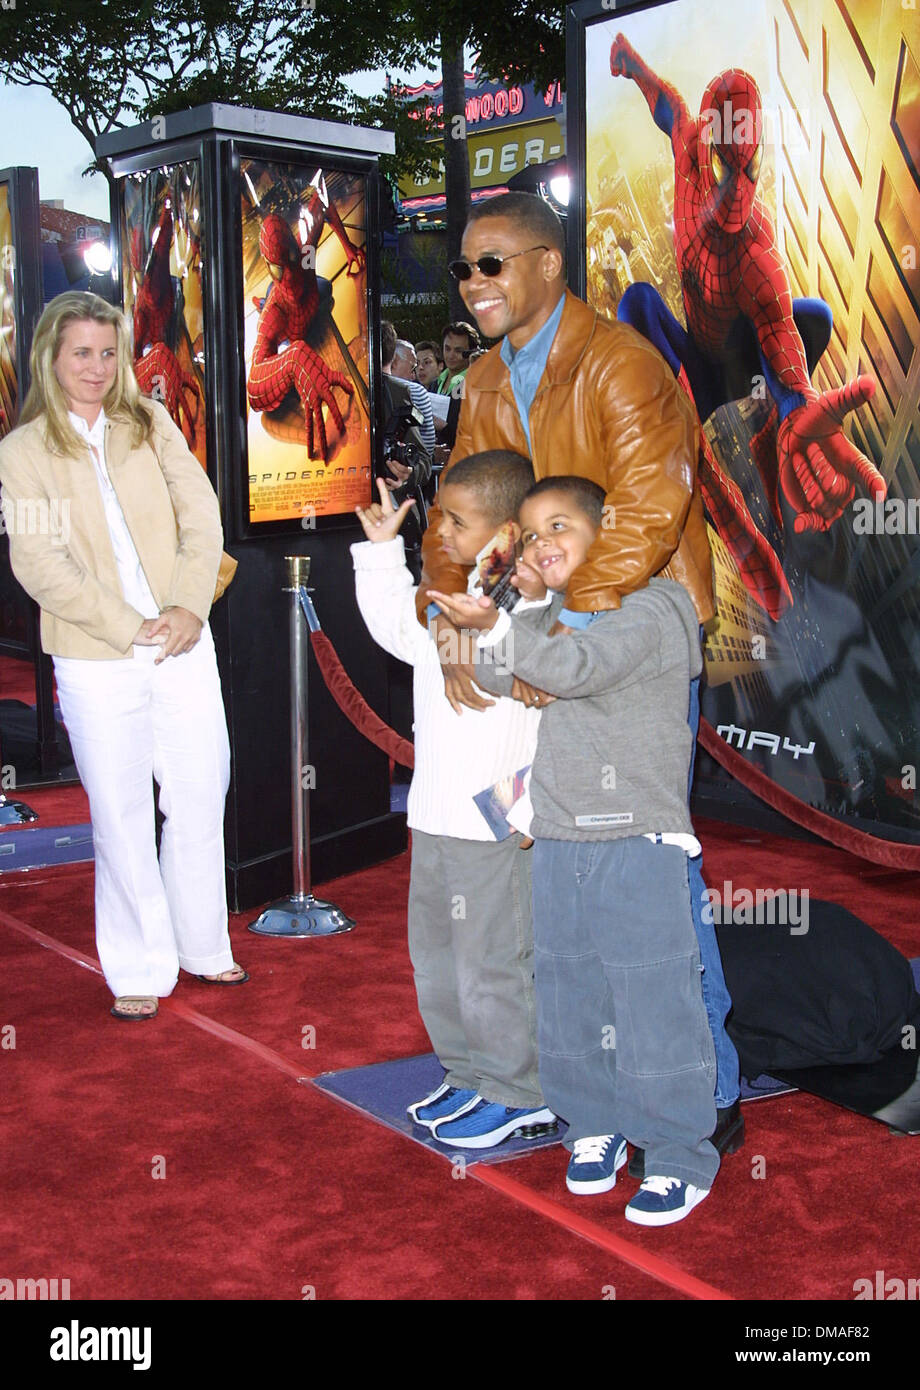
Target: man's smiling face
<point x="520" y="299"/>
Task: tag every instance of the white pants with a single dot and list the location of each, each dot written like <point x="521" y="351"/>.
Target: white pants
<point x="131" y="721"/>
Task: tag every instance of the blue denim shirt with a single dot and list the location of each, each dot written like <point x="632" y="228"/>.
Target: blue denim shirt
<point x="526" y="366"/>
<point x="528" y="363"/>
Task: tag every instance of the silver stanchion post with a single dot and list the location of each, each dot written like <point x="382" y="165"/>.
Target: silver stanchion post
<point x="301" y="914"/>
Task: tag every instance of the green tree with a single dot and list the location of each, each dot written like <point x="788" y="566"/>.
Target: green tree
<point x="110" y="64"/>
<point x="516" y="41"/>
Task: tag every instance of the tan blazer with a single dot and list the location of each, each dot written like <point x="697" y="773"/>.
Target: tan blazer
<point x="60" y="548"/>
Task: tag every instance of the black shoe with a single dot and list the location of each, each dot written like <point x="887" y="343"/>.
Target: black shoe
<point x="728" y="1136"/>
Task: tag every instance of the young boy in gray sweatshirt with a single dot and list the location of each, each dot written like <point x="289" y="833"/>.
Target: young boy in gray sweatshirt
<point x="626" y="1053"/>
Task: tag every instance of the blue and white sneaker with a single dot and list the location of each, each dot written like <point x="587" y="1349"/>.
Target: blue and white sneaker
<point x="660" y="1201"/>
<point x="487" y="1123"/>
<point x="594" y="1163"/>
<point x="443" y="1103"/>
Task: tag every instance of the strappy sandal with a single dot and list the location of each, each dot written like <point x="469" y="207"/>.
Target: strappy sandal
<point x="134" y="1016"/>
<point x="206" y="980"/>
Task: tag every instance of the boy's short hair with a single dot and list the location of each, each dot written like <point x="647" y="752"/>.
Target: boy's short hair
<point x="426" y="345"/>
<point x="588" y="497"/>
<point x="501" y="478"/>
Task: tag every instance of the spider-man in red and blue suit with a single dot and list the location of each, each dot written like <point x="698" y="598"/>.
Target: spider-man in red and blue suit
<point x="159" y="372"/>
<point x="281" y="358"/>
<point x="740" y="311"/>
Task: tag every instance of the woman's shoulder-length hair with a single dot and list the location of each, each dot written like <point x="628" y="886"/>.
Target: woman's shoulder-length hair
<point x="45" y="399"/>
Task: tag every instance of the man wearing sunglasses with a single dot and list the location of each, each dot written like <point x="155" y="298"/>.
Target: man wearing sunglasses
<point x="582" y="395"/>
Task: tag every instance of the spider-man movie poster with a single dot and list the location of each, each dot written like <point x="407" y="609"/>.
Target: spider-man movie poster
<point x="752" y="185"/>
<point x="9" y="390"/>
<point x="305" y="340"/>
<point x="161" y="260"/>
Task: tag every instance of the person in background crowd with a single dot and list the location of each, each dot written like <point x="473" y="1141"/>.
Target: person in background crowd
<point x="430" y="366"/>
<point x="404" y="365"/>
<point x="397" y="398"/>
<point x="124" y="588"/>
<point x="458" y="340"/>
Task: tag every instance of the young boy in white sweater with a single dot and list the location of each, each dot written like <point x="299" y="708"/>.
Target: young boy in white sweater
<point x="470" y="933"/>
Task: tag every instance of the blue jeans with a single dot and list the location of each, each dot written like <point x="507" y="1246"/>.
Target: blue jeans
<point x="715" y="991"/>
<point x="624" y="1041"/>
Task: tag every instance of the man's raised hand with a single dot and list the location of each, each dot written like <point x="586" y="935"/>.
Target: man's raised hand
<point x="381" y="520"/>
<point x="480" y="614"/>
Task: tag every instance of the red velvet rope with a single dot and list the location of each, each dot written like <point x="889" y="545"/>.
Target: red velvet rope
<point x="354" y="706"/>
<point x="879" y="851"/>
<point x="887" y="852"/>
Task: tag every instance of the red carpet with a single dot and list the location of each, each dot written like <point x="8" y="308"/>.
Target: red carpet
<point x="17" y="679"/>
<point x="55" y="805"/>
<point x="270" y="1187"/>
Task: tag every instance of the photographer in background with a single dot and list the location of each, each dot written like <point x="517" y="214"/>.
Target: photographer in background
<point x="405" y="456"/>
<point x="408" y="470"/>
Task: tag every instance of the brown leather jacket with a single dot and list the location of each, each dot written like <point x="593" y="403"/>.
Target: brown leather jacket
<point x="608" y="408"/>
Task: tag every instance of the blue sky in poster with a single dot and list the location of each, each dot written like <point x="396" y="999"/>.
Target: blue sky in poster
<point x="729" y="36"/>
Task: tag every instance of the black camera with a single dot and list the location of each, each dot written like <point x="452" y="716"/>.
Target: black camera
<point x="405" y="451"/>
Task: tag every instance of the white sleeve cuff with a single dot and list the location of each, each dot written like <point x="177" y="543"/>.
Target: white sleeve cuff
<point x="523" y="604"/>
<point x="497" y="633"/>
<point x="379" y="555"/>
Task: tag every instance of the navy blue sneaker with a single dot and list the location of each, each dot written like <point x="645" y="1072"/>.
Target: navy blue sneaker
<point x="594" y="1163"/>
<point x="443" y="1103"/>
<point x="488" y="1123"/>
<point x="660" y="1201"/>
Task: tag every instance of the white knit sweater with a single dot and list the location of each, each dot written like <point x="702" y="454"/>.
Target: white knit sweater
<point x="456" y="755"/>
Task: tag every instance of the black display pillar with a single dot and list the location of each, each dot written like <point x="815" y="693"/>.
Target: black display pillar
<point x="214" y="210"/>
<point x="20" y="309"/>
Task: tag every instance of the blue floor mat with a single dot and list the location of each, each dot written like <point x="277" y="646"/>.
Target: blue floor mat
<point x="385" y="1089"/>
<point x="37" y="847"/>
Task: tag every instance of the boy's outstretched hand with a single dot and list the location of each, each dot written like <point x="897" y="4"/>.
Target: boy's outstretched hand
<point x="480" y="614"/>
<point x="381" y="520"/>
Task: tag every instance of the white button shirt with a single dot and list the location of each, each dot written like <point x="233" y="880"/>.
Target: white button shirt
<point x="130" y="571"/>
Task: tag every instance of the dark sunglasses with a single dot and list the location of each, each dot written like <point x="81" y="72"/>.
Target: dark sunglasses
<point x="490" y="266"/>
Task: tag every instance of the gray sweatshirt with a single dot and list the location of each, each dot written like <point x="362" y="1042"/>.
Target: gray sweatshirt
<point x="613" y="752"/>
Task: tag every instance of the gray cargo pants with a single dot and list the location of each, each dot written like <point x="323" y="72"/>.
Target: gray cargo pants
<point x="471" y="945"/>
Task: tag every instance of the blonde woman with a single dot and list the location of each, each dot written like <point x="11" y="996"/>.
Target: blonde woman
<point x="115" y="532"/>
